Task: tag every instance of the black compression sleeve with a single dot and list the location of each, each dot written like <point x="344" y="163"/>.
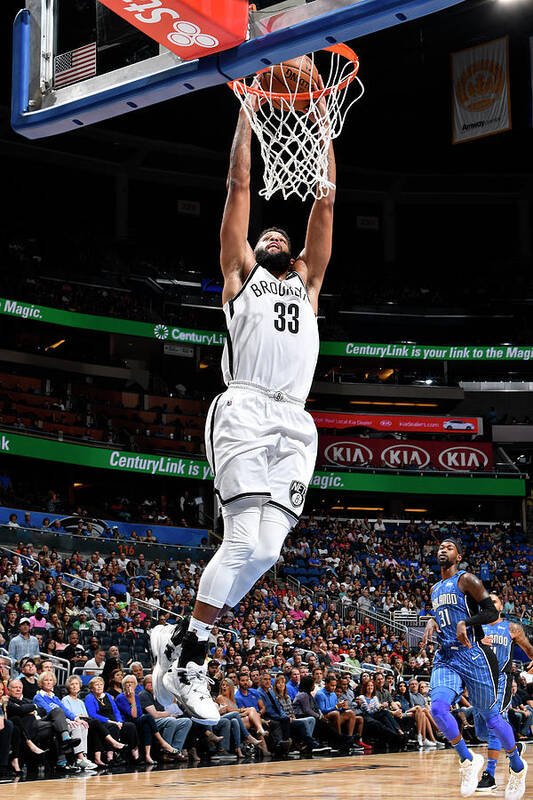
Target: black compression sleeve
<point x="487" y="613"/>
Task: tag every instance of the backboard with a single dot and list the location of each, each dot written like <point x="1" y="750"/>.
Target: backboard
<point x="76" y="62"/>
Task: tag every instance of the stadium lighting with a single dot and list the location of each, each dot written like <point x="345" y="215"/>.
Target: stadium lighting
<point x="390" y="403"/>
<point x="55" y="345"/>
<point x="365" y="508"/>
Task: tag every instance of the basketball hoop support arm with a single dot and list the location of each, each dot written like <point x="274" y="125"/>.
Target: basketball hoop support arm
<point x="275" y="38"/>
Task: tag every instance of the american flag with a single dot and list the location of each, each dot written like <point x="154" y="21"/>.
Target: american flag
<point x="75" y="66"/>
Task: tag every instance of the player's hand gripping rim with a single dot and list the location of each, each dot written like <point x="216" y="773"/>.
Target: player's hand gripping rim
<point x="256" y="100"/>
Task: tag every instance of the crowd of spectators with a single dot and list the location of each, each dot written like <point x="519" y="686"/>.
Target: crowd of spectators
<point x="388" y="568"/>
<point x="59" y="407"/>
<point x="104" y="284"/>
<point x="295" y="668"/>
<point x="185" y="508"/>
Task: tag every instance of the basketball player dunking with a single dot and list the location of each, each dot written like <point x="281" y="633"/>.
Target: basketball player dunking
<point x="462" y="605"/>
<point x="260" y="441"/>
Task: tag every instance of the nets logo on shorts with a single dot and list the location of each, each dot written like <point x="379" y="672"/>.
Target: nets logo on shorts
<point x="297" y="493"/>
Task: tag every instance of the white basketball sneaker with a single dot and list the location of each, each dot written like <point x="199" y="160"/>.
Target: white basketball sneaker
<point x="165" y="643"/>
<point x="190" y="686"/>
<point x="516" y="785"/>
<point x="470" y="774"/>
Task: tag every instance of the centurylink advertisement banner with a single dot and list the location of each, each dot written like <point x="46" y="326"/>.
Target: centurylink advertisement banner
<point x="126" y="327"/>
<point x="19" y="444"/>
<point x="173" y="333"/>
<point x="430" y="352"/>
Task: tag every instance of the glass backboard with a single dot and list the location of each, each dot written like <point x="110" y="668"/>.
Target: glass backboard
<point x="76" y="62"/>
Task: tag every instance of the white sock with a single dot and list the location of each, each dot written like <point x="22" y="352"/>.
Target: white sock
<point x="201" y="629"/>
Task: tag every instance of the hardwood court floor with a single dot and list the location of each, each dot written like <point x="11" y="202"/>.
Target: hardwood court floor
<point x="409" y="776"/>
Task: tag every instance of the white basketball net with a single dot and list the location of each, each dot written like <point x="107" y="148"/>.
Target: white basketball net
<point x="295" y="144"/>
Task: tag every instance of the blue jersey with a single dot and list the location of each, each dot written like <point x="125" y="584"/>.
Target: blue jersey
<point x="502" y="643"/>
<point x="451" y="606"/>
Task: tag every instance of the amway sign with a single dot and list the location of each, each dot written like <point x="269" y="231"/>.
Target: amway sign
<point x="404" y="454"/>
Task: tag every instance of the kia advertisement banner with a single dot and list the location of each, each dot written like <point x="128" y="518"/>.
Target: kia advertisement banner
<point x="388" y="453"/>
<point x="398" y="422"/>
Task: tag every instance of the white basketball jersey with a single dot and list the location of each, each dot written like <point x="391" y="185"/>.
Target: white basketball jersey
<point x="272" y="334"/>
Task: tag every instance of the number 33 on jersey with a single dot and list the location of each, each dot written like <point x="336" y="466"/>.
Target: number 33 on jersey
<point x="272" y="334"/>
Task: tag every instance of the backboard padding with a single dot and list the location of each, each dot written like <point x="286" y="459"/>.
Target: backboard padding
<point x="275" y="34"/>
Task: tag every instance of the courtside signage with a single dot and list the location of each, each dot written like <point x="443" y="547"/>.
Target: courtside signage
<point x="18" y="444"/>
<point x="173" y="333"/>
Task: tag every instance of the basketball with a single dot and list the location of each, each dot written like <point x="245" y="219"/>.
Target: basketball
<point x="291" y="77"/>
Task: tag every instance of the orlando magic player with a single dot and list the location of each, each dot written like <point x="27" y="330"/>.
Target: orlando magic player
<point x="501" y="635"/>
<point x="260" y="441"/>
<point x="462" y="605"/>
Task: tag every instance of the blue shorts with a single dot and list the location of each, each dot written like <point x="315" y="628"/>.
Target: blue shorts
<point x="475" y="668"/>
<point x="504" y="701"/>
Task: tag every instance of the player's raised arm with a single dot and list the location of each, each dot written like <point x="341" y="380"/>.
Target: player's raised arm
<point x="519" y="637"/>
<point x="314" y="258"/>
<point x="236" y="255"/>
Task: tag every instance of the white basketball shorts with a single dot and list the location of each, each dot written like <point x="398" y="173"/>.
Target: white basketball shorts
<point x="258" y="445"/>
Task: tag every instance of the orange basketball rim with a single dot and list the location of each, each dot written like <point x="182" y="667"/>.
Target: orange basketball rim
<point x="340" y="49"/>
